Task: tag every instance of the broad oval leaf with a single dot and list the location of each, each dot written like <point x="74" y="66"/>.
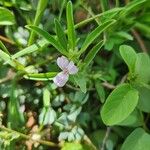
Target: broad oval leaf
<point x="137" y="140"/>
<point x="6" y="17"/>
<point x="119" y="104"/>
<point x="129" y="56"/>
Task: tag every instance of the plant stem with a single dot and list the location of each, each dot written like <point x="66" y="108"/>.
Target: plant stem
<point x="48" y="143"/>
<point x="40" y="10"/>
<point x="105" y="138"/>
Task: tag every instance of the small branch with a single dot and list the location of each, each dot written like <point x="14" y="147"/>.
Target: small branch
<point x="139" y="40"/>
<point x="105" y="138"/>
<point x="108" y="85"/>
<point x="2" y="38"/>
<point x="48" y="143"/>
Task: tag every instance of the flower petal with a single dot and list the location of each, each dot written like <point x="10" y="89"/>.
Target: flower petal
<point x="60" y="79"/>
<point x="72" y="69"/>
<point x="62" y="62"/>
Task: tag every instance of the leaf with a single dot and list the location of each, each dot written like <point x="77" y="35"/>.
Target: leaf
<point x="70" y="26"/>
<point x="76" y="146"/>
<point x="41" y="76"/>
<point x="142" y="69"/>
<point x="129" y="56"/>
<point x="46" y="97"/>
<point x="6" y="17"/>
<point x="137" y="140"/>
<point x="30" y="49"/>
<point x="49" y="38"/>
<point x="100" y="91"/>
<point x="2" y="46"/>
<point x="92" y="53"/>
<point x="81" y="82"/>
<point x="144" y="99"/>
<point x="119" y="104"/>
<point x="135" y="119"/>
<point x="60" y="34"/>
<point x="94" y="34"/>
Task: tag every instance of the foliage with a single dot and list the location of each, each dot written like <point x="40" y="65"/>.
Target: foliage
<point x="103" y="46"/>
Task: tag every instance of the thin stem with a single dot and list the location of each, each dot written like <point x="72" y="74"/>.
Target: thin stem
<point x="2" y="38"/>
<point x="139" y="40"/>
<point x="105" y="138"/>
<point x="48" y="143"/>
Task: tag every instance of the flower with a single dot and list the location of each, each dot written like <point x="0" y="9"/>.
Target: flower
<point x="68" y="67"/>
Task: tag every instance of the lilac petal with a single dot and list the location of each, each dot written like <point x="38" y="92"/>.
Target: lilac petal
<point x="60" y="79"/>
<point x="72" y="69"/>
<point x="62" y="62"/>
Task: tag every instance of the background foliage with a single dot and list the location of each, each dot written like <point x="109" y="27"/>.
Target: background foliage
<point x="106" y="105"/>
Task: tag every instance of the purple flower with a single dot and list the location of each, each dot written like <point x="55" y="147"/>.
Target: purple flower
<point x="67" y="68"/>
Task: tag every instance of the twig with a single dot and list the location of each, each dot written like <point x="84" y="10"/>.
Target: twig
<point x="108" y="85"/>
<point x="48" y="143"/>
<point x="139" y="40"/>
<point x="105" y="138"/>
<point x="6" y="40"/>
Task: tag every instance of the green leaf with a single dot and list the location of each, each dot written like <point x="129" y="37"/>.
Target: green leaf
<point x="49" y="38"/>
<point x="144" y="99"/>
<point x="94" y="34"/>
<point x="135" y="119"/>
<point x="129" y="56"/>
<point x="46" y="97"/>
<point x="60" y="34"/>
<point x="30" y="49"/>
<point x="2" y="46"/>
<point x="100" y="91"/>
<point x="81" y="82"/>
<point x="142" y="69"/>
<point x="137" y="140"/>
<point x="70" y="26"/>
<point x="6" y="17"/>
<point x="41" y="76"/>
<point x="92" y="53"/>
<point x="119" y="104"/>
<point x="76" y="146"/>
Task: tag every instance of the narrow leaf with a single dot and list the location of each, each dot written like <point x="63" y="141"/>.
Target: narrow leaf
<point x="92" y="53"/>
<point x="41" y="76"/>
<point x="60" y="34"/>
<point x="70" y="26"/>
<point x="94" y="34"/>
<point x="49" y="38"/>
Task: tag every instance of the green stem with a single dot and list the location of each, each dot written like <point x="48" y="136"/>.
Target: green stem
<point x="40" y="10"/>
<point x="48" y="143"/>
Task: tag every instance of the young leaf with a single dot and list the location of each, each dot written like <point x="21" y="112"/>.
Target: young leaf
<point x="30" y="49"/>
<point x="142" y="69"/>
<point x="46" y="97"/>
<point x="119" y="104"/>
<point x="41" y="76"/>
<point x="92" y="53"/>
<point x="60" y="34"/>
<point x="94" y="34"/>
<point x="70" y="26"/>
<point x="129" y="56"/>
<point x="137" y="140"/>
<point x="49" y="38"/>
<point x="6" y="17"/>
